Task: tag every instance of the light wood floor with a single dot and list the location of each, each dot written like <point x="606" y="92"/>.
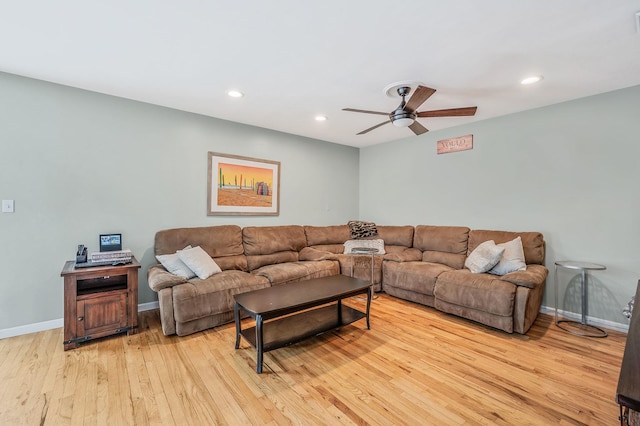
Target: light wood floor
<point x="416" y="366"/>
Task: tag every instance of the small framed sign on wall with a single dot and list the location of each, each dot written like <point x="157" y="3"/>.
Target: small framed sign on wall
<point x="462" y="143"/>
<point x="242" y="186"/>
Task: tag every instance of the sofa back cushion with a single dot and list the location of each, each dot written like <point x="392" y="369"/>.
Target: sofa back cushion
<point x="532" y="242"/>
<point x="268" y="245"/>
<point x="223" y="243"/>
<point x="396" y="235"/>
<point x="396" y="238"/>
<point x="442" y="244"/>
<point x="327" y="238"/>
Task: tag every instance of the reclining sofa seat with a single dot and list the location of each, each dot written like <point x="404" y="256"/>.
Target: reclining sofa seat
<point x="187" y="306"/>
<point x="331" y="239"/>
<point x="509" y="302"/>
<point x="412" y="274"/>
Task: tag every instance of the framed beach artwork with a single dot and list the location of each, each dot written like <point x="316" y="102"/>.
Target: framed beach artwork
<point x="242" y="186"/>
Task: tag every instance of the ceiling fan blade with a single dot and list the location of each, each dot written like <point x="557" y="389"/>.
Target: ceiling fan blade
<point x="373" y="128"/>
<point x="365" y="111"/>
<point x="418" y="128"/>
<point x="452" y="112"/>
<point x="421" y="94"/>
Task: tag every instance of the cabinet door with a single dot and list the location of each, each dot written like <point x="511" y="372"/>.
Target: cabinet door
<point x="102" y="315"/>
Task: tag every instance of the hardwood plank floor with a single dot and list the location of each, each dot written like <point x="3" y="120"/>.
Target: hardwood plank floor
<point x="415" y="366"/>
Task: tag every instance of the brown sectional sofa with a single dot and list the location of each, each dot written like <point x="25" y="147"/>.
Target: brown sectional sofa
<point x="423" y="264"/>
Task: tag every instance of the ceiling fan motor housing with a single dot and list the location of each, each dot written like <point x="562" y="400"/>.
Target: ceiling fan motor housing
<point x="401" y="117"/>
<point x="401" y="114"/>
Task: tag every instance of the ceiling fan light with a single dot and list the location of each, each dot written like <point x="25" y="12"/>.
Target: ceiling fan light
<point x="235" y="93"/>
<point x="403" y="122"/>
<point x="531" y="80"/>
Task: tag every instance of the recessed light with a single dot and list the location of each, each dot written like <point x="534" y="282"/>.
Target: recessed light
<point x="531" y="80"/>
<point x="235" y="94"/>
<point x="321" y="118"/>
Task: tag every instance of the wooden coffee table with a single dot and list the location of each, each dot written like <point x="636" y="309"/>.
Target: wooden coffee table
<point x="289" y="309"/>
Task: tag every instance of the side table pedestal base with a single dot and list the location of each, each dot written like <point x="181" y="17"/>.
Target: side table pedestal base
<point x="579" y="329"/>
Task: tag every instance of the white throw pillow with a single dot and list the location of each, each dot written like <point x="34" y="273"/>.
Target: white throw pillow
<point x="376" y="244"/>
<point x="199" y="262"/>
<point x="173" y="264"/>
<point x="484" y="257"/>
<point x="512" y="259"/>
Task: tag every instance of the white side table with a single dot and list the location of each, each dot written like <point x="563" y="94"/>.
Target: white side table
<point x="581" y="327"/>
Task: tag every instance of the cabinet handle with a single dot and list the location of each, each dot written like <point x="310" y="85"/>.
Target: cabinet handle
<point x="80" y="318"/>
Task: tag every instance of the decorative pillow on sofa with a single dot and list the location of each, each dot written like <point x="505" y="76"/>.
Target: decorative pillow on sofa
<point x="173" y="264"/>
<point x="351" y="244"/>
<point x="484" y="257"/>
<point x="360" y="229"/>
<point x="512" y="259"/>
<point x="199" y="262"/>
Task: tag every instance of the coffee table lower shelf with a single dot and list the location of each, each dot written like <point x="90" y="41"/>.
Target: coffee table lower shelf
<point x="291" y="329"/>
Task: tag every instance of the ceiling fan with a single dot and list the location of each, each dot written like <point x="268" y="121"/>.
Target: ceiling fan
<point x="405" y="115"/>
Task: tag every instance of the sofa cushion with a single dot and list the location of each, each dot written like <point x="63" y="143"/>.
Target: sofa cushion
<point x="266" y="245"/>
<point x="396" y="235"/>
<point x="481" y="292"/>
<point x="455" y="261"/>
<point x="360" y="229"/>
<point x="223" y="243"/>
<point x="448" y="239"/>
<point x="532" y="242"/>
<point x="272" y="239"/>
<point x="199" y="262"/>
<point x="418" y="277"/>
<point x="331" y="248"/>
<point x="310" y="253"/>
<point x="200" y="298"/>
<point x="256" y="262"/>
<point x="327" y="235"/>
<point x="442" y="244"/>
<point x="484" y="257"/>
<point x="298" y="271"/>
<point x="404" y="255"/>
<point x="512" y="259"/>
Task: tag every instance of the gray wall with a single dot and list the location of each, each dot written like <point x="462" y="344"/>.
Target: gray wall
<point x="569" y="170"/>
<point x="79" y="164"/>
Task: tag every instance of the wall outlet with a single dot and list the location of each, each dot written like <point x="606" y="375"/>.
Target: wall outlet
<point x="7" y="206"/>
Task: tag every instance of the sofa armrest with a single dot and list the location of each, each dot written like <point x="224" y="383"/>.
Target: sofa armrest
<point x="308" y="253"/>
<point x="408" y="255"/>
<point x="531" y="278"/>
<point x="160" y="278"/>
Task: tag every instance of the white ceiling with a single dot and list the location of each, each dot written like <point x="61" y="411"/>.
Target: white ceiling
<point x="295" y="59"/>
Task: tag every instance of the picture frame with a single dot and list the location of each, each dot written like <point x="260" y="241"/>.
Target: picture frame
<point x="238" y="185"/>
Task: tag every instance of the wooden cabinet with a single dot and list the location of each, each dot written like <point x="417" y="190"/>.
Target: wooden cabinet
<point x="99" y="302"/>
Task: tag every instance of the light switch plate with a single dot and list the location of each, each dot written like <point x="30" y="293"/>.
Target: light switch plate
<point x="7" y="206"/>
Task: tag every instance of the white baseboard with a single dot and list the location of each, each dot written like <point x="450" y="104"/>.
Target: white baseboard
<point x="56" y="323"/>
<point x="591" y="320"/>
